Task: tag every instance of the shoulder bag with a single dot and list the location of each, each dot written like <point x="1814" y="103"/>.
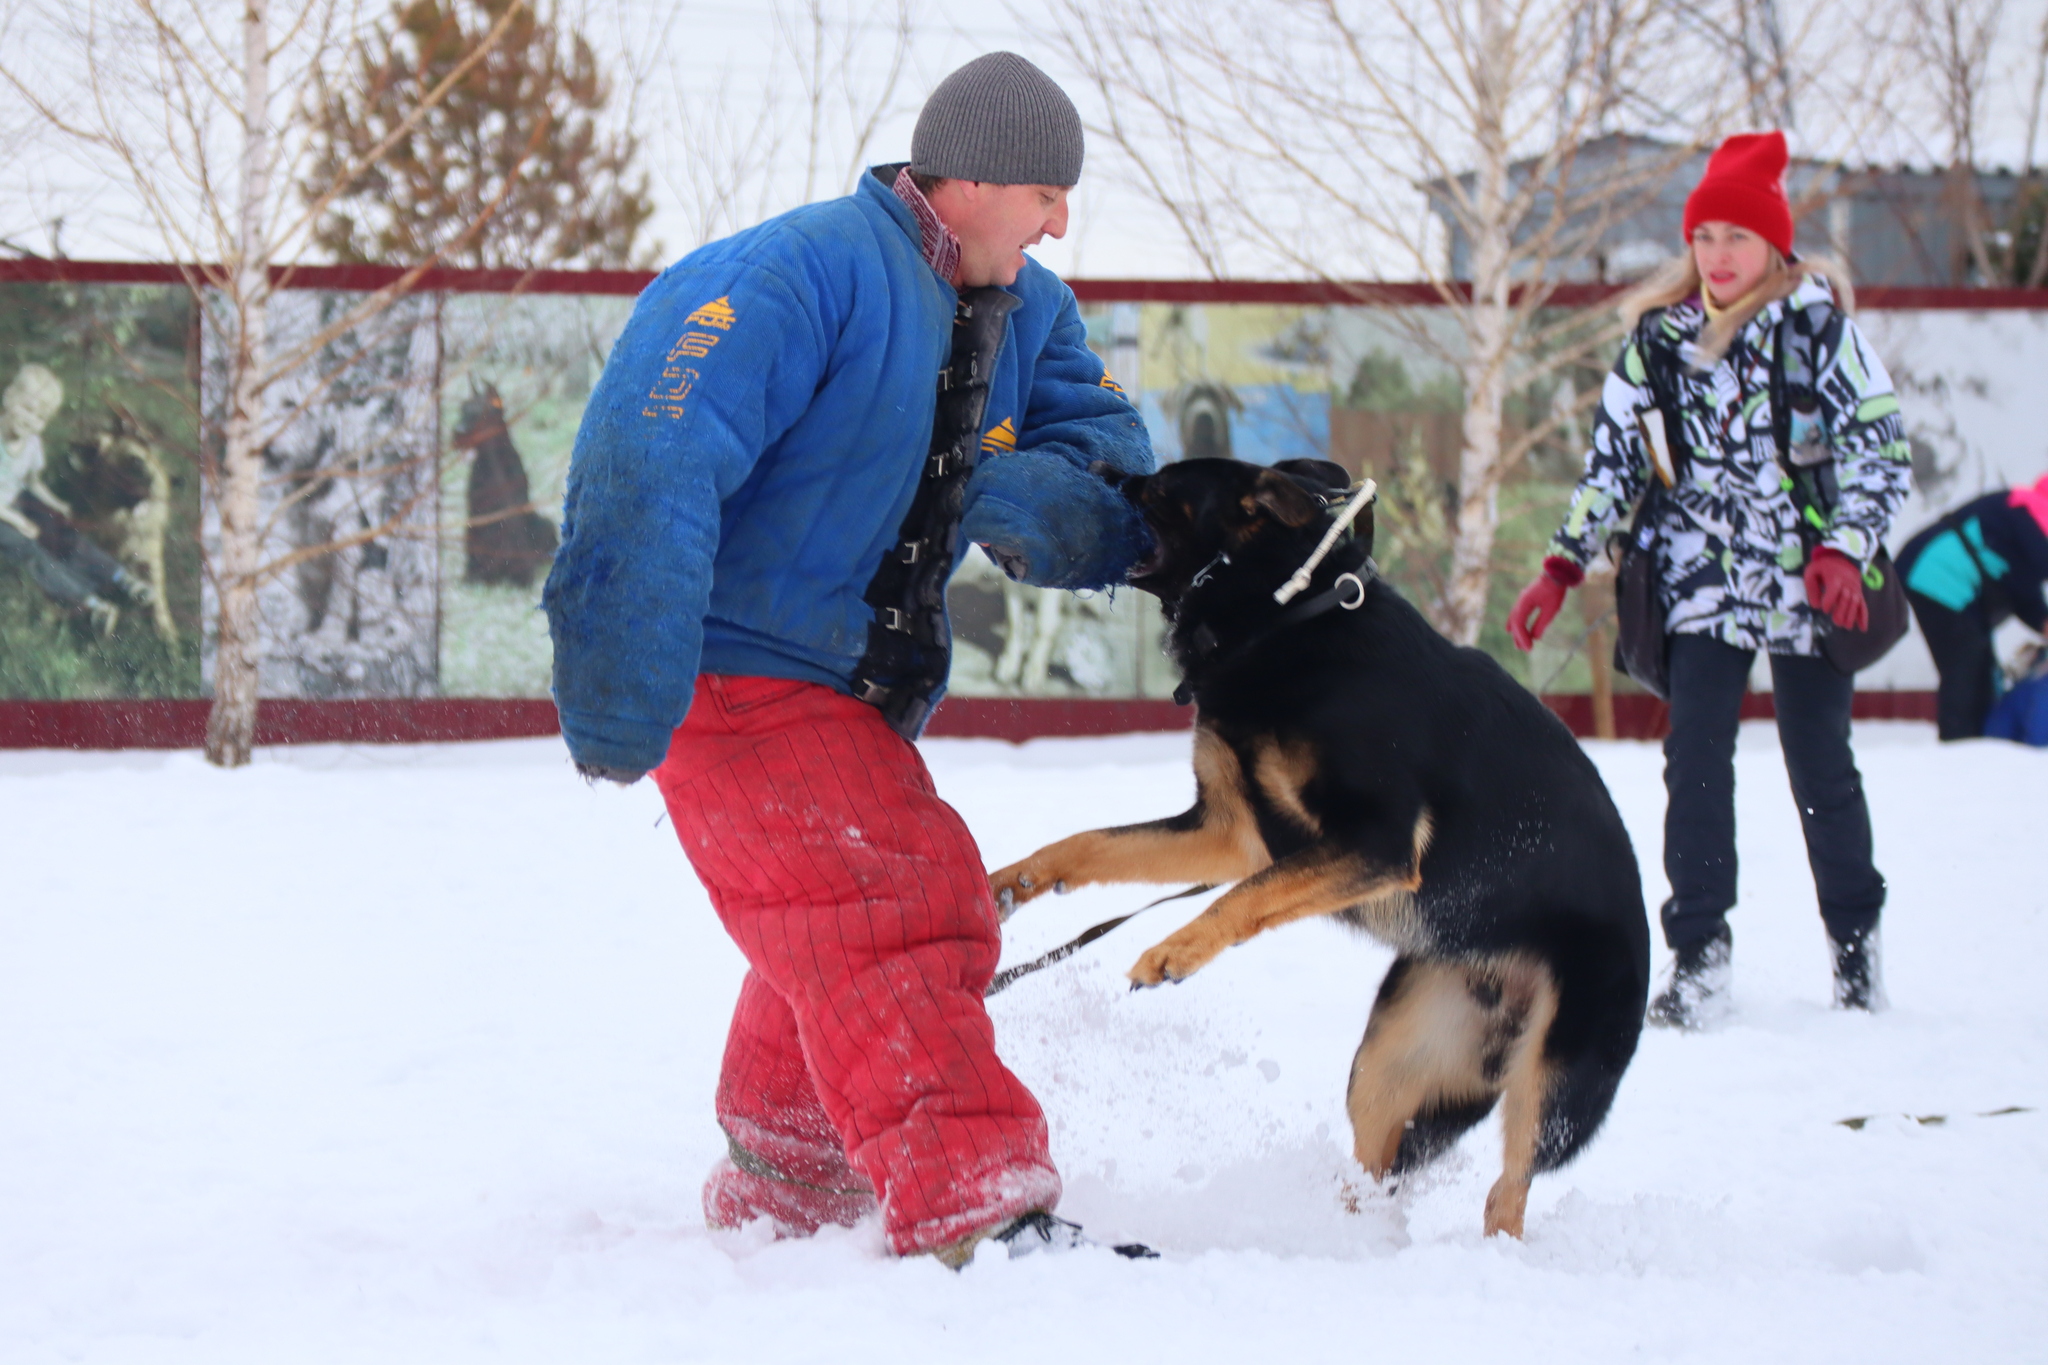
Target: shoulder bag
<point x="1640" y="647"/>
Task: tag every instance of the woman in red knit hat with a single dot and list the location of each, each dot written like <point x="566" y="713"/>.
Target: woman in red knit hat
<point x="1741" y="566"/>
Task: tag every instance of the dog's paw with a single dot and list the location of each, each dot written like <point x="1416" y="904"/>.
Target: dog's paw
<point x="1172" y="959"/>
<point x="1506" y="1205"/>
<point x="1023" y="882"/>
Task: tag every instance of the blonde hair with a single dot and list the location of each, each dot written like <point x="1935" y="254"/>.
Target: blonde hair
<point x="1679" y="279"/>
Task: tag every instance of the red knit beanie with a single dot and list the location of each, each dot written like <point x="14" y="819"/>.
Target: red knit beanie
<point x="1745" y="185"/>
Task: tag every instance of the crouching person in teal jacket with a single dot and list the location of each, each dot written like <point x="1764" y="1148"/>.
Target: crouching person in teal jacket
<point x="1966" y="575"/>
<point x="800" y="431"/>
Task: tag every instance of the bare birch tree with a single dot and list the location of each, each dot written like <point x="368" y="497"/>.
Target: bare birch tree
<point x="1352" y="142"/>
<point x="1952" y="42"/>
<point x="17" y="130"/>
<point x="734" y="152"/>
<point x="2030" y="270"/>
<point x="198" y="107"/>
<point x="842" y="104"/>
<point x="1963" y="78"/>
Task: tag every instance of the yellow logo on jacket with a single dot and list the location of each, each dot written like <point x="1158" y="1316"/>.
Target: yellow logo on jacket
<point x="999" y="438"/>
<point x="665" y="399"/>
<point x="717" y="313"/>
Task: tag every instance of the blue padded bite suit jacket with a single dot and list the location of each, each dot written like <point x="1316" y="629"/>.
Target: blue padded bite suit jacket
<point x="755" y="440"/>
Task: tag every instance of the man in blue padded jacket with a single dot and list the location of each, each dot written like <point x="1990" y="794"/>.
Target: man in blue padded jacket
<point x="801" y="429"/>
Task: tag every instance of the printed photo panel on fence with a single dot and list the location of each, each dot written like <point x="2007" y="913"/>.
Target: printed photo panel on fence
<point x="99" y="492"/>
<point x="349" y="592"/>
<point x="517" y="371"/>
<point x="414" y="472"/>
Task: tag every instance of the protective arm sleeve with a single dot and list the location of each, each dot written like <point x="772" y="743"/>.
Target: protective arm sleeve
<point x="691" y="396"/>
<point x="1050" y="522"/>
<point x="1873" y="463"/>
<point x="1617" y="468"/>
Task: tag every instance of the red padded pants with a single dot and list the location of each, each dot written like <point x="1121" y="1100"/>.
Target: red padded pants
<point x="861" y="1057"/>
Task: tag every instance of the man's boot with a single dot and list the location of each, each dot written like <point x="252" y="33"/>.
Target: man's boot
<point x="1031" y="1232"/>
<point x="1696" y="990"/>
<point x="1859" y="978"/>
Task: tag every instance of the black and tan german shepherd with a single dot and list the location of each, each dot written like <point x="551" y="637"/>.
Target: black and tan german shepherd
<point x="1350" y="761"/>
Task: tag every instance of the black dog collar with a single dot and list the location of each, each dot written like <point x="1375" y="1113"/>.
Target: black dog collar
<point x="1348" y="592"/>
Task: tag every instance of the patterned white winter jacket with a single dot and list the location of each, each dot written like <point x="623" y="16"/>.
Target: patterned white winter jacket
<point x="1731" y="556"/>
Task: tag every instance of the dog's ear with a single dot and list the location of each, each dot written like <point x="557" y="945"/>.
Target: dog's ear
<point x="1320" y="475"/>
<point x="1289" y="503"/>
<point x="1361" y="527"/>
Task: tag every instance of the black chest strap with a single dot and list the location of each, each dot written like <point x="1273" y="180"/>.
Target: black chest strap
<point x="910" y="643"/>
<point x="1806" y="455"/>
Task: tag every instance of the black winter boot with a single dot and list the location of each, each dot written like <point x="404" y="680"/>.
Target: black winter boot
<point x="1030" y="1232"/>
<point x="1695" y="994"/>
<point x="1859" y="978"/>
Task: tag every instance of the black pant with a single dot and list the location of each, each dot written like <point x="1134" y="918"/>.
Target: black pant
<point x="1960" y="642"/>
<point x="66" y="583"/>
<point x="62" y="561"/>
<point x="1708" y="679"/>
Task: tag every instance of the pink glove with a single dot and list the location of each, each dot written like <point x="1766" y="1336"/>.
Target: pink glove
<point x="1543" y="599"/>
<point x="1835" y="585"/>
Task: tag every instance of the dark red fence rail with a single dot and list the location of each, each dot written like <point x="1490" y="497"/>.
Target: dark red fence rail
<point x="1299" y="292"/>
<point x="182" y="724"/>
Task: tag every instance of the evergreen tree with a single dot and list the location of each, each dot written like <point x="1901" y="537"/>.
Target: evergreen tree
<point x="509" y="169"/>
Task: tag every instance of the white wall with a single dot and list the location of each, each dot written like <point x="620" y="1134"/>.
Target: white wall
<point x="1974" y="387"/>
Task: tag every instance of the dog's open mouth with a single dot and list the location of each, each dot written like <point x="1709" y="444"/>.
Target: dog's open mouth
<point x="1150" y="564"/>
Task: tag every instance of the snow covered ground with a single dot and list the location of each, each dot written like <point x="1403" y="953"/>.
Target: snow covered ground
<point x="396" y="1055"/>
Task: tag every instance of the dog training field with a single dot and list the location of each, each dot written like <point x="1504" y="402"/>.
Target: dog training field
<point x="407" y="1055"/>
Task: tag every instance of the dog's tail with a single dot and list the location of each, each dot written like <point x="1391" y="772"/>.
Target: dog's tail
<point x="1603" y="983"/>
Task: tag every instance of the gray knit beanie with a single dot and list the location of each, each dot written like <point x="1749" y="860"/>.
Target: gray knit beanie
<point x="999" y="119"/>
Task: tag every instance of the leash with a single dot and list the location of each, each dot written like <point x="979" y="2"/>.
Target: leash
<point x="1348" y="592"/>
<point x="1009" y="975"/>
<point x="1573" y="652"/>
